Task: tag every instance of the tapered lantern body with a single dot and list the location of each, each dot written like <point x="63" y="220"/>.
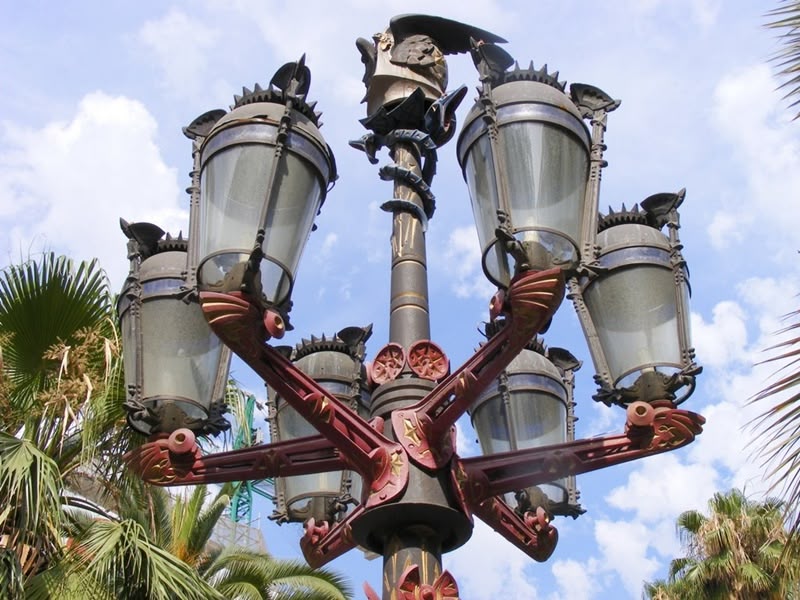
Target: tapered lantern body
<point x="636" y="309"/>
<point x="527" y="407"/>
<point x="265" y="170"/>
<point x="175" y="367"/>
<point x="338" y="368"/>
<point x="524" y="151"/>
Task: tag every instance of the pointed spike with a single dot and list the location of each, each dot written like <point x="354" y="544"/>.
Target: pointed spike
<point x="257" y="88"/>
<point x="237" y="98"/>
<point x="319" y="126"/>
<point x="314" y="339"/>
<point x="302" y="60"/>
<point x="554" y="75"/>
<point x="272" y="89"/>
<point x="317" y="115"/>
<point x="312" y="105"/>
<point x="531" y="66"/>
<point x="563" y="84"/>
<point x="169" y="237"/>
<point x="245" y="91"/>
<point x="516" y="65"/>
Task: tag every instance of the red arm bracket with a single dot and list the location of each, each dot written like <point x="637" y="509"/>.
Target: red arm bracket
<point x="530" y="302"/>
<point x="650" y="430"/>
<point x="481" y="481"/>
<point x="176" y="460"/>
<point x="321" y="543"/>
<point x="533" y="533"/>
<point x="239" y="323"/>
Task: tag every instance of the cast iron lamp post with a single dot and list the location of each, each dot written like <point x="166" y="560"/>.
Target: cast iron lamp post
<point x="386" y="429"/>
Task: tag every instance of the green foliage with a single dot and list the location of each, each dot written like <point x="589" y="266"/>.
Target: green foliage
<point x="62" y="431"/>
<point x="740" y="550"/>
<point x="44" y="303"/>
<point x="243" y="574"/>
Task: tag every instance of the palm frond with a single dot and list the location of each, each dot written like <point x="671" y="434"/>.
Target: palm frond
<point x="30" y="489"/>
<point x="778" y="425"/>
<point x="43" y="301"/>
<point x="242" y="570"/>
<point x="120" y="557"/>
<point x="786" y="20"/>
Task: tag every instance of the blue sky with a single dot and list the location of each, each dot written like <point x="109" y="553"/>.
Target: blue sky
<point x="95" y="95"/>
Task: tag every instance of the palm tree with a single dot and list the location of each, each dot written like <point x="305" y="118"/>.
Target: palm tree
<point x="61" y="425"/>
<point x="160" y="547"/>
<point x="61" y="406"/>
<point x="738" y="551"/>
<point x="779" y="424"/>
<point x="58" y="355"/>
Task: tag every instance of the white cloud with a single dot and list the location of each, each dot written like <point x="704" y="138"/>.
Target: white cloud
<point x="490" y="567"/>
<point x="723" y="340"/>
<point x="663" y="486"/>
<point x="66" y="185"/>
<point x="623" y="547"/>
<point x="748" y="113"/>
<point x="727" y="229"/>
<point x="575" y="579"/>
<point x="181" y="46"/>
<point x="463" y="258"/>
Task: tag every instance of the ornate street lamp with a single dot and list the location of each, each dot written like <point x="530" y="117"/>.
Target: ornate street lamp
<point x="265" y="171"/>
<point x="337" y="364"/>
<point x="529" y="406"/>
<point x="633" y="303"/>
<point x="175" y="366"/>
<point x="525" y="150"/>
<point x="533" y="171"/>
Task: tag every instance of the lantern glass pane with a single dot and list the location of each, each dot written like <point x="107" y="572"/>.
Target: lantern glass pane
<point x="126" y="324"/>
<point x="235" y="183"/>
<point x="634" y="312"/>
<point x="181" y="353"/>
<point x="539" y="419"/>
<point x="547" y="174"/>
<point x="299" y="488"/>
<point x="482" y="185"/>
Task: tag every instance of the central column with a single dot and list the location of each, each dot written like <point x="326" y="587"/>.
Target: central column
<point x="409" y="316"/>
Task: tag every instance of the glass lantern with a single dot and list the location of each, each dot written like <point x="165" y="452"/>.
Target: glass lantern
<point x="529" y="406"/>
<point x="524" y="152"/>
<point x="175" y="367"/>
<point x="634" y="306"/>
<point x="264" y="171"/>
<point x="336" y="364"/>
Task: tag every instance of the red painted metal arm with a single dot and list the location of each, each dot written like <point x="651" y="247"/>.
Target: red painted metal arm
<point x="177" y="460"/>
<point x="321" y="543"/>
<point x="530" y="302"/>
<point x="533" y="533"/>
<point x="382" y="463"/>
<point x="650" y="430"/>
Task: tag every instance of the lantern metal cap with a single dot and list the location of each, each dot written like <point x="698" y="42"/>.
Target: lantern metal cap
<point x="350" y="341"/>
<point x="150" y="238"/>
<point x="291" y="82"/>
<point x="654" y="212"/>
<point x="540" y="75"/>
